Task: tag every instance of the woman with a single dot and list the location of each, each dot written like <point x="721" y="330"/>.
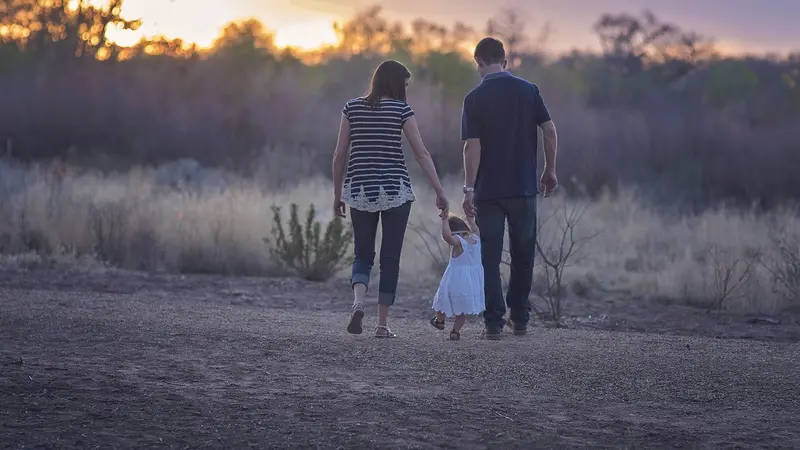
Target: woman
<point x="376" y="185"/>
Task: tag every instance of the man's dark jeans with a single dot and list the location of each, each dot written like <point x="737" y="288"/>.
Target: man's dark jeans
<point x="491" y="219"/>
<point x="365" y="228"/>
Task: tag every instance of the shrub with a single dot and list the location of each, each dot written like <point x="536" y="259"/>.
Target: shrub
<point x="785" y="266"/>
<point x="557" y="250"/>
<point x="305" y="250"/>
<point x="431" y="247"/>
<point x="731" y="274"/>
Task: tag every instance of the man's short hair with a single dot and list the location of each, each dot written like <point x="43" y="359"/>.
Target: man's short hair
<point x="490" y="51"/>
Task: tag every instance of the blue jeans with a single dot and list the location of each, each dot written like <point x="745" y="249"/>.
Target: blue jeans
<point x="365" y="228"/>
<point x="491" y="219"/>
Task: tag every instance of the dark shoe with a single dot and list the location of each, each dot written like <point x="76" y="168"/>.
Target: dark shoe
<point x="516" y="328"/>
<point x="491" y="334"/>
<point x="436" y="323"/>
<point x="455" y="335"/>
<point x="354" y="327"/>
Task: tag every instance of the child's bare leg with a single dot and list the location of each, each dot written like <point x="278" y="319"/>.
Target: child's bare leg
<point x="459" y="322"/>
<point x="438" y="320"/>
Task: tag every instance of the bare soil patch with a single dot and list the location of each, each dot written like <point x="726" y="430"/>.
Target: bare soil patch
<point x="133" y="360"/>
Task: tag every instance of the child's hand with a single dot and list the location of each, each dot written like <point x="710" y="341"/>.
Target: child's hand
<point x="443" y="214"/>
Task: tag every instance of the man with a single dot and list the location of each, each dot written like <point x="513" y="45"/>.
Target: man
<point x="499" y="126"/>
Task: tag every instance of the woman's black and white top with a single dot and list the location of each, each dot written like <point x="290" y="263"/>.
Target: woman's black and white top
<point x="377" y="178"/>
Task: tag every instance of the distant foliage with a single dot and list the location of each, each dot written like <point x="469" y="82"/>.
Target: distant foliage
<point x="657" y="108"/>
<point x="305" y="249"/>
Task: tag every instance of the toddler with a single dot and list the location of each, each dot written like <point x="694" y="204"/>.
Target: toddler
<point x="461" y="289"/>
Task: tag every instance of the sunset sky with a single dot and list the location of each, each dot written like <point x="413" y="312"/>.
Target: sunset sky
<point x="738" y="26"/>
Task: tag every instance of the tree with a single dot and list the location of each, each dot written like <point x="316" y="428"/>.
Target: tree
<point x="452" y="77"/>
<point x="160" y="46"/>
<point x="627" y="40"/>
<point x="631" y="44"/>
<point x="510" y="28"/>
<point x="428" y="37"/>
<point x="439" y="53"/>
<point x="368" y="33"/>
<point x="63" y="29"/>
<point x="431" y="37"/>
<point x="245" y="38"/>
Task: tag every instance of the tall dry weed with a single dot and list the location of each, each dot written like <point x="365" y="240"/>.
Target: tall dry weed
<point x="133" y="221"/>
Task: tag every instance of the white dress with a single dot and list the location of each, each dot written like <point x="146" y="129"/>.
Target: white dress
<point x="461" y="288"/>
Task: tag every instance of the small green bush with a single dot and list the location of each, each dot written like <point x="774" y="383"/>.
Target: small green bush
<point x="305" y="250"/>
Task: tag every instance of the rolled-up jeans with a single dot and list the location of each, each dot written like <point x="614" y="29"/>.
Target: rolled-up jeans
<point x="365" y="229"/>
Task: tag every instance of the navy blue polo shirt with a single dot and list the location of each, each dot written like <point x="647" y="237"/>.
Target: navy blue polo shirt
<point x="504" y="112"/>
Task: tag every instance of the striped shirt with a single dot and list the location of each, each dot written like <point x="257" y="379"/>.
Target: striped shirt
<point x="377" y="178"/>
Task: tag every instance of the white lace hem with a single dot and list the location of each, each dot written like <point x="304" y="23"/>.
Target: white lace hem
<point x="456" y="304"/>
<point x="358" y="200"/>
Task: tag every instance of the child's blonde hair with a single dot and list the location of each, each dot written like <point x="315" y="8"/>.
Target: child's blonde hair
<point x="458" y="225"/>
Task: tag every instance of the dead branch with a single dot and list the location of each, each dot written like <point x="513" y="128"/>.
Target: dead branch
<point x="431" y="247"/>
<point x="559" y="253"/>
<point x="785" y="267"/>
<point x="731" y="273"/>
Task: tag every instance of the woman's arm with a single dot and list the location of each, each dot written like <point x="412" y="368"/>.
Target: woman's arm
<point x="340" y="156"/>
<point x="421" y="155"/>
<point x="447" y="234"/>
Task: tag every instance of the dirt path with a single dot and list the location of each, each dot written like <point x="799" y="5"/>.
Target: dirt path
<point x="80" y="368"/>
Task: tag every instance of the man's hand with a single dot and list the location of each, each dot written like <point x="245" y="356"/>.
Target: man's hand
<point x="548" y="183"/>
<point x="469" y="204"/>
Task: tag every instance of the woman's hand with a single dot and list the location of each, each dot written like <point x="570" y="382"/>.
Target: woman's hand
<point x="339" y="162"/>
<point x="442" y="203"/>
<point x="339" y="208"/>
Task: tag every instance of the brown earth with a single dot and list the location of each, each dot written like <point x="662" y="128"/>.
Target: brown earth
<point x="122" y="360"/>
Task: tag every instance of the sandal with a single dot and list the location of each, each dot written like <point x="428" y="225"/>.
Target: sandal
<point x="455" y="335"/>
<point x="437" y="324"/>
<point x="383" y="331"/>
<point x="354" y="327"/>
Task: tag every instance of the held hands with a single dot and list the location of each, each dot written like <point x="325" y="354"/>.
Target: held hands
<point x="442" y="204"/>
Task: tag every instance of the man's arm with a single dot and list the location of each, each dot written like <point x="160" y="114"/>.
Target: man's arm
<point x="545" y="122"/>
<point x="472" y="143"/>
<point x="472" y="152"/>
<point x="550" y="138"/>
<point x="472" y="159"/>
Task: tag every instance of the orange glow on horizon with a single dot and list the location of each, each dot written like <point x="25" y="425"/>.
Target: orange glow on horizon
<point x="182" y="19"/>
<point x="304" y="28"/>
<point x="307" y="36"/>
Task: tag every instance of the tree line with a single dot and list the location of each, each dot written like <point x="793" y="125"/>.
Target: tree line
<point x="657" y="108"/>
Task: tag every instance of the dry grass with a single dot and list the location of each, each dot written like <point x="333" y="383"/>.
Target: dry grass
<point x="134" y="221"/>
